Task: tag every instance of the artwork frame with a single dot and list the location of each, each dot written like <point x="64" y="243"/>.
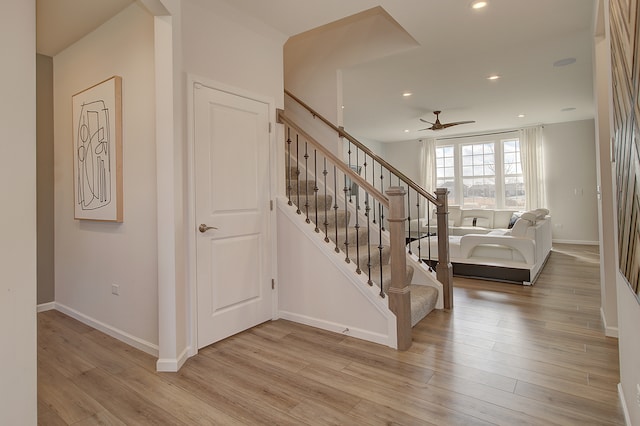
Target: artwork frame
<point x="97" y="151"/>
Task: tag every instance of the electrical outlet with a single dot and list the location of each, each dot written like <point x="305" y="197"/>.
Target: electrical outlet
<point x="115" y="289"/>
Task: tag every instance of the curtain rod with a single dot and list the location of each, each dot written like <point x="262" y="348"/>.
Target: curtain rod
<point x="479" y="134"/>
<point x="484" y="134"/>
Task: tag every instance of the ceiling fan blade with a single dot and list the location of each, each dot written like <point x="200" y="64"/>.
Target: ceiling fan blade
<point x="444" y="126"/>
<point x="427" y="128"/>
<point x="425" y="121"/>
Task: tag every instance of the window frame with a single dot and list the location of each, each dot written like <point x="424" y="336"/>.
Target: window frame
<point x="498" y="140"/>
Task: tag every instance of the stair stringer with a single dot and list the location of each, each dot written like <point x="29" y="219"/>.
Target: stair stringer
<point x="317" y="287"/>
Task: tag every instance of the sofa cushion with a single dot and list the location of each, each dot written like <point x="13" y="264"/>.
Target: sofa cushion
<point x="454" y="215"/>
<point x="481" y="222"/>
<point x="541" y="213"/>
<point x="520" y="228"/>
<point x="476" y="214"/>
<point x="501" y="218"/>
<point x="530" y="216"/>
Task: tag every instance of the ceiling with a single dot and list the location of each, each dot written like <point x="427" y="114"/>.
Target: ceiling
<point x="458" y="48"/>
<point x="60" y="23"/>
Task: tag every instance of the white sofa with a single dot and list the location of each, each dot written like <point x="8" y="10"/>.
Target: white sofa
<point x="462" y="222"/>
<point x="515" y="255"/>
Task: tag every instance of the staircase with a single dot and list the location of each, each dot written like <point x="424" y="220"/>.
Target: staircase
<point x="344" y="265"/>
<point x="337" y="226"/>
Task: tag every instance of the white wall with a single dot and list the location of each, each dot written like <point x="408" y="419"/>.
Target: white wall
<point x="607" y="214"/>
<point x="18" y="404"/>
<point x="404" y="156"/>
<point x="222" y="45"/>
<point x="91" y="256"/>
<point x="218" y="45"/>
<point x="570" y="178"/>
<point x="314" y="60"/>
<point x="322" y="290"/>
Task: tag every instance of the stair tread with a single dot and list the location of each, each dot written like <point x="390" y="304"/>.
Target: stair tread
<point x="423" y="301"/>
<point x="386" y="276"/>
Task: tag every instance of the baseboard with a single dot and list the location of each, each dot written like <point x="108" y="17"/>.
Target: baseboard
<point x="578" y="242"/>
<point x="625" y="409"/>
<point x="49" y="306"/>
<point x="608" y="331"/>
<point x="338" y="328"/>
<point x="172" y="365"/>
<point x="150" y="348"/>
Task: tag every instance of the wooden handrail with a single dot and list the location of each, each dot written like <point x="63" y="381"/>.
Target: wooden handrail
<point x="379" y="196"/>
<point x="342" y="133"/>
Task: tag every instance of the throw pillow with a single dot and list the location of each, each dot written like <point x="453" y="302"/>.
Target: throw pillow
<point x="513" y="219"/>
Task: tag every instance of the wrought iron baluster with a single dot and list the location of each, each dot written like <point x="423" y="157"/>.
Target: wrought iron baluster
<point x="357" y="226"/>
<point x="289" y="166"/>
<point x="315" y="185"/>
<point x="418" y="231"/>
<point x="306" y="182"/>
<point x="335" y="205"/>
<point x="380" y="247"/>
<point x="367" y="209"/>
<point x="346" y="221"/>
<point x="349" y="153"/>
<point x="373" y="182"/>
<point x="430" y="263"/>
<point x="324" y="204"/>
<point x="298" y="174"/>
<point x="409" y="215"/>
<point x="381" y="207"/>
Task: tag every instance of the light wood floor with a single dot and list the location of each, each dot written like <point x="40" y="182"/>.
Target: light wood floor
<point x="506" y="354"/>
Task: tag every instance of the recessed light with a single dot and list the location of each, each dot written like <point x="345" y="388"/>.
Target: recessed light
<point x="520" y="115"/>
<point x="478" y="4"/>
<point x="568" y="109"/>
<point x="493" y="77"/>
<point x="564" y="62"/>
<point x="406" y="130"/>
<point x="342" y="106"/>
<point x="407" y="94"/>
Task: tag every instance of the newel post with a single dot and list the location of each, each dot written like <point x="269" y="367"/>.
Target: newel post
<point x="444" y="270"/>
<point x="399" y="296"/>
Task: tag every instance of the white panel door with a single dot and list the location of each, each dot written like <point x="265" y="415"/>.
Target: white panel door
<point x="232" y="194"/>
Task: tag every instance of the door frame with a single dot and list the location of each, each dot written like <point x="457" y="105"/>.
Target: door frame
<point x="192" y="311"/>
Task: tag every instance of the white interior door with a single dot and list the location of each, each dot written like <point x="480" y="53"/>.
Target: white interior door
<point x="232" y="194"/>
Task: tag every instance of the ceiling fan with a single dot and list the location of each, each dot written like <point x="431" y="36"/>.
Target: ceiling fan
<point x="440" y="126"/>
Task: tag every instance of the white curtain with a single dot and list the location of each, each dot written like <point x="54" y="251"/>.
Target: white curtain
<point x="428" y="166"/>
<point x="532" y="167"/>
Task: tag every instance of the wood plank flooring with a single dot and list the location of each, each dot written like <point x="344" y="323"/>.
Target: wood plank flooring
<point x="505" y="355"/>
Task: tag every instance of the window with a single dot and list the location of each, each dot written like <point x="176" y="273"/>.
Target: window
<point x="480" y="172"/>
<point x="513" y="177"/>
<point x="479" y="175"/>
<point x="445" y="170"/>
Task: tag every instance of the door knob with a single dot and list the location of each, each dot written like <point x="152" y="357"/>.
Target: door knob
<point x="204" y="228"/>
